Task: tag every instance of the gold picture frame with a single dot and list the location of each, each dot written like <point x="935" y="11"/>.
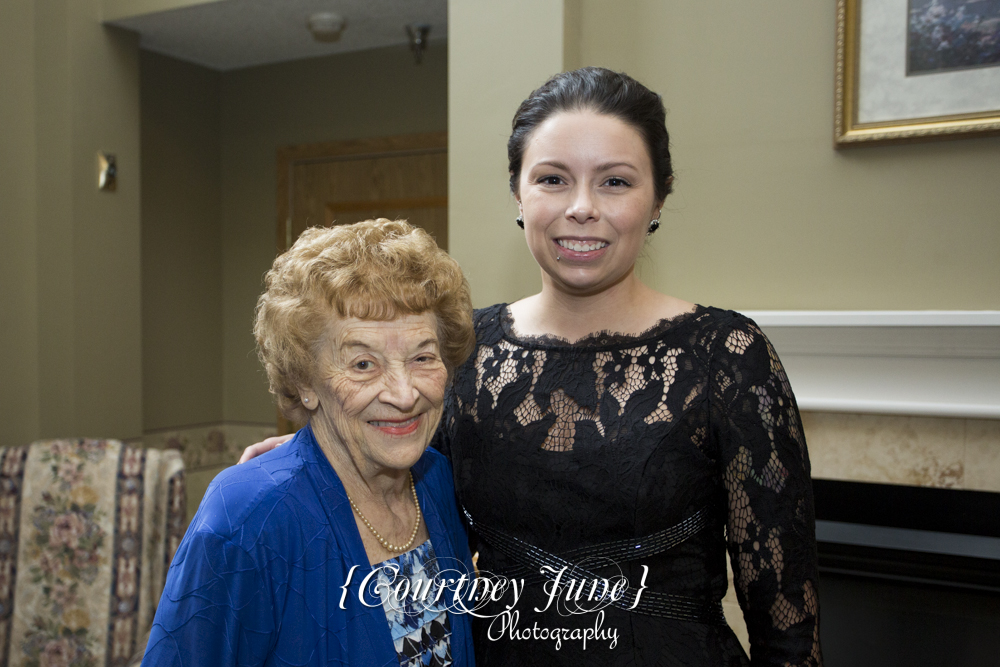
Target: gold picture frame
<point x="850" y="126"/>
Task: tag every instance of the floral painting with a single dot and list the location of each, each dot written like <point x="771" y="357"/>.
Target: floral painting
<point x="916" y="70"/>
<point x="946" y="35"/>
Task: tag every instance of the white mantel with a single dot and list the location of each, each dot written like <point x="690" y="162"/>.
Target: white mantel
<point x="931" y="363"/>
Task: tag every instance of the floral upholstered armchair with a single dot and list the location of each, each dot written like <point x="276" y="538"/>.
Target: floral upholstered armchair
<point x="87" y="532"/>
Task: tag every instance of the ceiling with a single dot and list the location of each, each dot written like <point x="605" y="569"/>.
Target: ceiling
<point x="231" y="34"/>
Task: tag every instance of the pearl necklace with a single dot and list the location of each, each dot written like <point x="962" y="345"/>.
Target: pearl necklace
<point x="413" y="534"/>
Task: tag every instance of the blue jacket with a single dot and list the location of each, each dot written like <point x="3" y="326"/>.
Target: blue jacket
<point x="259" y="576"/>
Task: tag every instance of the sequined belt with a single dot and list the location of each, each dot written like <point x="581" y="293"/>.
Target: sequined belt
<point x="540" y="565"/>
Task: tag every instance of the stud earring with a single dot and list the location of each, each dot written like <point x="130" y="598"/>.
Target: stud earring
<point x="520" y="222"/>
<point x="654" y="224"/>
<point x="305" y="400"/>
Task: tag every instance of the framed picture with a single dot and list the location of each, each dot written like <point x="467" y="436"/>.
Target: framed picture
<point x="910" y="70"/>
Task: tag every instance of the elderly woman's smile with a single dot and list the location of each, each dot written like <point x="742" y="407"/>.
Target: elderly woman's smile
<point x="380" y="390"/>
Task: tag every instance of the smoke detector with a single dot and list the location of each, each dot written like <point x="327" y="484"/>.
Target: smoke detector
<point x="326" y="26"/>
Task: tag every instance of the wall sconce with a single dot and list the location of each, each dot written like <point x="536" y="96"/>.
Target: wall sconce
<point x="107" y="172"/>
<point x="418" y="39"/>
<point x="326" y="26"/>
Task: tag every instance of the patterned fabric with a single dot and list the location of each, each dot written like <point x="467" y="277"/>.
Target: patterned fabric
<point x="85" y="534"/>
<point x="616" y="437"/>
<point x="208" y="445"/>
<point x="11" y="479"/>
<point x="420" y="629"/>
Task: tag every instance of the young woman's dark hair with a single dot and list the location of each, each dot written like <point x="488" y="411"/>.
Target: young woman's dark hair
<point x="604" y="92"/>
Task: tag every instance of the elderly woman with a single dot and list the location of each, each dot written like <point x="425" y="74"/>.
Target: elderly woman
<point x="323" y="552"/>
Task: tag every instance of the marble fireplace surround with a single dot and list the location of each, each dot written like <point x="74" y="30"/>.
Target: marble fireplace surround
<point x="896" y="397"/>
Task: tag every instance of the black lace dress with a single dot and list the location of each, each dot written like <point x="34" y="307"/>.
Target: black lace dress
<point x="559" y="447"/>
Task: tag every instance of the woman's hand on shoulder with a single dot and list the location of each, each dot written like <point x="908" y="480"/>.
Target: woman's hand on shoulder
<point x="258" y="448"/>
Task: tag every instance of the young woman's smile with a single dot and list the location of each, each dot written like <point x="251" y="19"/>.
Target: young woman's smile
<point x="580" y="249"/>
<point x="587" y="196"/>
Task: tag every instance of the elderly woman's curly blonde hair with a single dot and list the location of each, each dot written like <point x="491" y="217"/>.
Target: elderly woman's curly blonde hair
<point x="372" y="270"/>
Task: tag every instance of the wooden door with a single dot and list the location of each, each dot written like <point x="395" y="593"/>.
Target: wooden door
<point x="337" y="183"/>
<point x="345" y="182"/>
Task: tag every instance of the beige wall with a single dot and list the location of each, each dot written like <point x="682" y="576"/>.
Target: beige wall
<point x="766" y="214"/>
<point x="18" y="231"/>
<point x="90" y="286"/>
<point x="495" y="59"/>
<point x="366" y="94"/>
<point x="181" y="244"/>
<point x="114" y="10"/>
<point x="73" y="345"/>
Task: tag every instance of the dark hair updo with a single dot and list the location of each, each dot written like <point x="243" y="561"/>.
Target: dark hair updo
<point x="601" y="91"/>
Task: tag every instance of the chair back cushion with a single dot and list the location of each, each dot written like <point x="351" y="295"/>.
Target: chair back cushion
<point x="87" y="532"/>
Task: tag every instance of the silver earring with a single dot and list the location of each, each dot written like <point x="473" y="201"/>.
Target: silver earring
<point x="305" y="400"/>
<point x="520" y="222"/>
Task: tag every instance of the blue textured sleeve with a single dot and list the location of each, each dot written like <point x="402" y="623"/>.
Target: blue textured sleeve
<point x="216" y="609"/>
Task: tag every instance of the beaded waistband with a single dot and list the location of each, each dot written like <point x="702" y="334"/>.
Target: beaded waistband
<point x="538" y="564"/>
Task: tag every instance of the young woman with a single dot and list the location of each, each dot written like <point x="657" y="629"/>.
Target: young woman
<point x="603" y="430"/>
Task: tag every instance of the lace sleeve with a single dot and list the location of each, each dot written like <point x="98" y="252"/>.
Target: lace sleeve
<point x="770" y="525"/>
